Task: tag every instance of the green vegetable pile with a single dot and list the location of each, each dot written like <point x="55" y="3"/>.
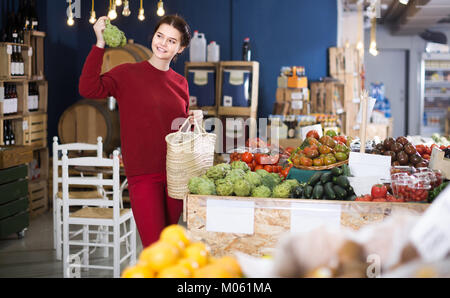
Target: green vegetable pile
<point x="237" y="180"/>
<point x="113" y="36"/>
<point x="330" y="185"/>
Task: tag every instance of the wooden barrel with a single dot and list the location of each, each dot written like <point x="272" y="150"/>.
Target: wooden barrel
<point x="88" y="119"/>
<point x="130" y="53"/>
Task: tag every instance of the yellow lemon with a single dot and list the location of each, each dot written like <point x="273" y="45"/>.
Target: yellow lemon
<point x="198" y="252"/>
<point x="138" y="271"/>
<point x="176" y="271"/>
<point x="190" y="264"/>
<point x="159" y="255"/>
<point x="212" y="271"/>
<point x="175" y="234"/>
<point x="230" y="264"/>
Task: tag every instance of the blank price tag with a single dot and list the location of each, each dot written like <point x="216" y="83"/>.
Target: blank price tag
<point x="370" y="165"/>
<point x="306" y="217"/>
<point x="25" y="125"/>
<point x="30" y="51"/>
<point x="9" y="50"/>
<point x="431" y="234"/>
<point x="228" y="216"/>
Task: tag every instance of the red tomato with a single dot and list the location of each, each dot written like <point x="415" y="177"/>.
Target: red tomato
<point x="247" y="157"/>
<point x="289" y="150"/>
<point x="379" y="191"/>
<point x="275" y="169"/>
<point x="313" y="134"/>
<point x="426" y="156"/>
<point x="251" y="166"/>
<point x="285" y="172"/>
<point x="259" y="167"/>
<point x="264" y="159"/>
<point x="254" y="163"/>
<point x="268" y="168"/>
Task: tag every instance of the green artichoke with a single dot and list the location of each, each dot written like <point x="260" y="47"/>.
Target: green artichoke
<point x="282" y="191"/>
<point x="261" y="192"/>
<point x="113" y="36"/>
<point x="242" y="188"/>
<point x="225" y="188"/>
<point x="240" y="165"/>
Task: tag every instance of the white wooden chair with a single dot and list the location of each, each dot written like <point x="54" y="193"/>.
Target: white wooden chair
<point x="57" y="194"/>
<point x="98" y="212"/>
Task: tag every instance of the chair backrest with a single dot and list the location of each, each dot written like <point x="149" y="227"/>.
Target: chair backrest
<point x="67" y="180"/>
<point x="57" y="149"/>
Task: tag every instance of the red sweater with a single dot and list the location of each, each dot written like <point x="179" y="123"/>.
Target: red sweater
<point x="149" y="100"/>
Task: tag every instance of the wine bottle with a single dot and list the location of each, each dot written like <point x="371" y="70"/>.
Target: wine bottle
<point x="12" y="136"/>
<point x="34" y="18"/>
<point x="20" y="61"/>
<point x="6" y="134"/>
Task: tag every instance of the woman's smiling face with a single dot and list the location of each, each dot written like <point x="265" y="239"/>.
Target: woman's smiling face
<point x="166" y="42"/>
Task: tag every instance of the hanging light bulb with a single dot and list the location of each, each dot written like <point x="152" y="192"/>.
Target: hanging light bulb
<point x="126" y="9"/>
<point x="112" y="14"/>
<point x="141" y="15"/>
<point x="359" y="45"/>
<point x="160" y="12"/>
<point x="118" y="3"/>
<point x="93" y="18"/>
<point x="70" y="20"/>
<point x="404" y="2"/>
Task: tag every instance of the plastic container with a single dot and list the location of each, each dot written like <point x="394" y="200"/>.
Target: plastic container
<point x="419" y="187"/>
<point x="402" y="169"/>
<point x="197" y="50"/>
<point x="202" y="87"/>
<point x="400" y="184"/>
<point x="213" y="52"/>
<point x="236" y="88"/>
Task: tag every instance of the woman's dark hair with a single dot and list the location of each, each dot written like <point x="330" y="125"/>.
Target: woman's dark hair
<point x="178" y="23"/>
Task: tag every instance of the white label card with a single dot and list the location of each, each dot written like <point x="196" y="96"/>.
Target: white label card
<point x="229" y="216"/>
<point x="297" y="96"/>
<point x="227" y="101"/>
<point x="306" y="129"/>
<point x="9" y="50"/>
<point x="370" y="165"/>
<point x="25" y="125"/>
<point x="30" y="51"/>
<point x="431" y="234"/>
<point x="306" y="217"/>
<point x="192" y="100"/>
<point x="297" y="105"/>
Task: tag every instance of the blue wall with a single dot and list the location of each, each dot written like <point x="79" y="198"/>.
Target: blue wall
<point x="282" y="32"/>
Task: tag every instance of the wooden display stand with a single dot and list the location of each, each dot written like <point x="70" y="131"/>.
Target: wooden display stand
<point x="30" y="127"/>
<point x="272" y="218"/>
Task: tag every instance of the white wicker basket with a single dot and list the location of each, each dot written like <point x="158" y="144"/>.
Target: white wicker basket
<point x="189" y="154"/>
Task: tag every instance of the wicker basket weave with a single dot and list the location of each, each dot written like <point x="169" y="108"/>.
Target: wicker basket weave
<point x="189" y="154"/>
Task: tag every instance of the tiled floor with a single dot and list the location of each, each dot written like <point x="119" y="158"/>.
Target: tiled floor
<point x="33" y="256"/>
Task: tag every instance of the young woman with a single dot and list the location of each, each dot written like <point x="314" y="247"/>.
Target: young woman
<point x="150" y="96"/>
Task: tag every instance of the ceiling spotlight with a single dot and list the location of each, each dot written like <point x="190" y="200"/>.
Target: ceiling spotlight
<point x="404" y="2"/>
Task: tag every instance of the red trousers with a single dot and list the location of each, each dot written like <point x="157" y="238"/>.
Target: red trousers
<point x="153" y="209"/>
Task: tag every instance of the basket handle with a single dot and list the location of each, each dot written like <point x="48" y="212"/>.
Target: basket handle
<point x="197" y="128"/>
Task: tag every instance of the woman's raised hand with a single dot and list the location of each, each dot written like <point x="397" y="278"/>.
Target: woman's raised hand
<point x="99" y="27"/>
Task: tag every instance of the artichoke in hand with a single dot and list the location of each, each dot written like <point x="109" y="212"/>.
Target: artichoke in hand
<point x="113" y="36"/>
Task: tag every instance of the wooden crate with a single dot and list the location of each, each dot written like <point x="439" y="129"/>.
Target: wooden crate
<point x="327" y="97"/>
<point x="272" y="218"/>
<point x="41" y="158"/>
<point x="22" y="91"/>
<point x="38" y="196"/>
<point x="43" y="97"/>
<point x="5" y="61"/>
<point x="36" y="40"/>
<point x="207" y="110"/>
<point x="15" y="155"/>
<point x="31" y="130"/>
<point x="344" y="61"/>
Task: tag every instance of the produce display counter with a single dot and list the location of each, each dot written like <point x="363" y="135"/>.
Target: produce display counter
<point x="255" y="225"/>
